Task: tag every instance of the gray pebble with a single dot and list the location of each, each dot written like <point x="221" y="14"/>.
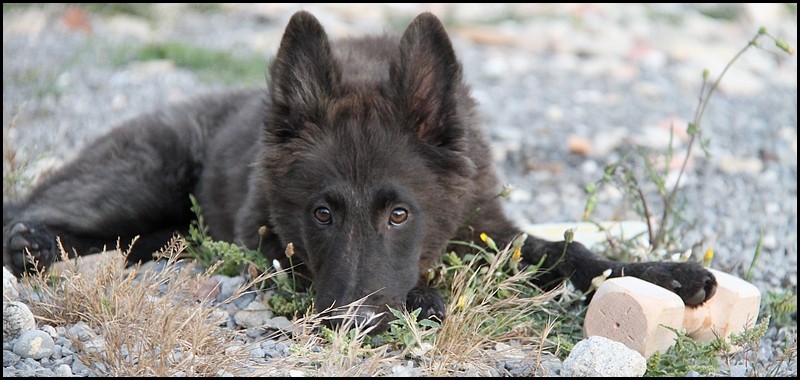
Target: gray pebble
<point x="50" y="330"/>
<point x="79" y="368"/>
<point x="66" y="350"/>
<point x="62" y="370"/>
<point x="57" y="352"/>
<point x="10" y="358"/>
<point x="81" y="330"/>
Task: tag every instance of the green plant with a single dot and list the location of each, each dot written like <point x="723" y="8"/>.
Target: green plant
<point x="663" y="229"/>
<point x="686" y="355"/>
<point x="289" y="298"/>
<point x="781" y="306"/>
<point x="211" y="65"/>
<point x="409" y="332"/>
<point x="207" y="251"/>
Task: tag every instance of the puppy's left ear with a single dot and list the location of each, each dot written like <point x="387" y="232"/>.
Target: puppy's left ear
<point x="426" y="76"/>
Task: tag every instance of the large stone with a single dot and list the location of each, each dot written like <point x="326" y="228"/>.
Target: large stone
<point x="35" y="344"/>
<point x="17" y="318"/>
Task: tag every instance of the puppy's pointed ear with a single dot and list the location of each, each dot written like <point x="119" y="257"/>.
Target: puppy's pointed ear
<point x="427" y="76"/>
<point x="303" y="76"/>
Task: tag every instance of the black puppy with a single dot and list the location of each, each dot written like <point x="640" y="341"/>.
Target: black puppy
<point x="365" y="154"/>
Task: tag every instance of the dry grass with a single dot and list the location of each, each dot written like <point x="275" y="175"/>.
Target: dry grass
<point x="157" y="323"/>
<point x="141" y="318"/>
<point x="478" y="318"/>
<point x="464" y="344"/>
<point x="319" y="351"/>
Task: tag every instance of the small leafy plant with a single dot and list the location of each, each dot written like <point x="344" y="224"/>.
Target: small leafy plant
<point x="288" y="297"/>
<point x="663" y="230"/>
<point x="208" y="251"/>
<point x="663" y="233"/>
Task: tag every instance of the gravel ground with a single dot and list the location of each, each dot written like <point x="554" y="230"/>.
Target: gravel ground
<point x="563" y="89"/>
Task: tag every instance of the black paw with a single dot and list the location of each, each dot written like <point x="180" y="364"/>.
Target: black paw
<point x="28" y="246"/>
<point x="693" y="283"/>
<point x="429" y="300"/>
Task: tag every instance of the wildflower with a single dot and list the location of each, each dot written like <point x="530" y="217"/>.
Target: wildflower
<point x="489" y="242"/>
<point x="707" y="257"/>
<point x="516" y="254"/>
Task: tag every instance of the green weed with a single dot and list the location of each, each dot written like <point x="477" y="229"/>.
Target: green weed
<point x="211" y="65"/>
<point x="666" y="221"/>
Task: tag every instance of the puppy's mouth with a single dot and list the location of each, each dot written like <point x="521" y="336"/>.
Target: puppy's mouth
<point x="362" y="317"/>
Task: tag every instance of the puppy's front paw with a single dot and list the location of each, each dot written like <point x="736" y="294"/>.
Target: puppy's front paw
<point x="28" y="246"/>
<point x="429" y="300"/>
<point x="693" y="283"/>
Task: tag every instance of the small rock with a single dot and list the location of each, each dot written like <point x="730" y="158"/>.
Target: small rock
<point x="63" y="370"/>
<point x="232" y="350"/>
<point x="81" y="330"/>
<point x="255" y="315"/>
<point x="10" y="358"/>
<point x="279" y="323"/>
<point x="50" y="330"/>
<point x="579" y="145"/>
<point x="208" y="289"/>
<point x="79" y="368"/>
<point x="734" y="165"/>
<point x="599" y="356"/>
<point x="228" y="286"/>
<point x="95" y="345"/>
<point x="35" y="344"/>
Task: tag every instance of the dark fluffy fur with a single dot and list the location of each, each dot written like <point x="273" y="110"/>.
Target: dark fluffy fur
<point x="365" y="154"/>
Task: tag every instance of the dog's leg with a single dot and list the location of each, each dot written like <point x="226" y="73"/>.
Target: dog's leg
<point x="573" y="261"/>
<point x="133" y="181"/>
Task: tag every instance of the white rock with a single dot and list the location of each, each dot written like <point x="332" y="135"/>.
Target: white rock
<point x="599" y="356"/>
<point x="10" y="290"/>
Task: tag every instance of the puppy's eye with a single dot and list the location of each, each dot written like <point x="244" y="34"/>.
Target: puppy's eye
<point x="398" y="216"/>
<point x="323" y="215"/>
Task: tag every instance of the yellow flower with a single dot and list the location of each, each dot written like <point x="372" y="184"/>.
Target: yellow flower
<point x="462" y="302"/>
<point x="489" y="242"/>
<point x="707" y="257"/>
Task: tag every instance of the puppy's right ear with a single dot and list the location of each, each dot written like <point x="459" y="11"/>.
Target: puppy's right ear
<point x="303" y="76"/>
<point x="426" y="76"/>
